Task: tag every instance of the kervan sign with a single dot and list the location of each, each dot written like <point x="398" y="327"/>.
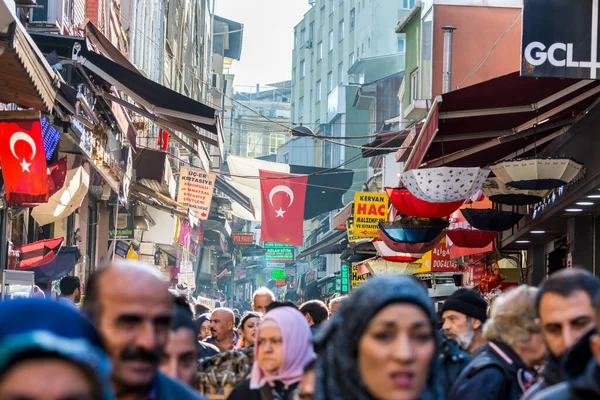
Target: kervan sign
<point x="560" y="39"/>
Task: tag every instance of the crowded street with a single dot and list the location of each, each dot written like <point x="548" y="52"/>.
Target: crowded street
<point x="299" y="200"/>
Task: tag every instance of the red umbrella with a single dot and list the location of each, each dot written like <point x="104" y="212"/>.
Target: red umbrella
<point x="390" y="255"/>
<point x="407" y="203"/>
<point x="471" y="238"/>
<point x="38" y="253"/>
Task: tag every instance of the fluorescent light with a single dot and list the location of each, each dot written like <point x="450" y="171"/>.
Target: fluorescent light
<point x="522" y="241"/>
<point x="585" y="203"/>
<point x="537" y="232"/>
<point x="594" y="196"/>
<point x="573" y="210"/>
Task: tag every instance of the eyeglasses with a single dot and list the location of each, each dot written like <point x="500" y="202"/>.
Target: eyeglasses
<point x="204" y="329"/>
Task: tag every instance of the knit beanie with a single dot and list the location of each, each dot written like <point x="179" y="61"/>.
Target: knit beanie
<point x="468" y="302"/>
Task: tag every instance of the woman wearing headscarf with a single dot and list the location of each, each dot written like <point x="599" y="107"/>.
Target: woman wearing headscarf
<point x="203" y="323"/>
<point x="283" y="348"/>
<point x="381" y="344"/>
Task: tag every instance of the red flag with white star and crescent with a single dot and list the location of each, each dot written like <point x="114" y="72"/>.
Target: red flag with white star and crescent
<point x="282" y="207"/>
<point x="23" y="161"/>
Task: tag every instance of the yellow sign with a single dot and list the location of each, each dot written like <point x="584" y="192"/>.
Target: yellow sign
<point x="356" y="279"/>
<point x="350" y="230"/>
<point x="369" y="210"/>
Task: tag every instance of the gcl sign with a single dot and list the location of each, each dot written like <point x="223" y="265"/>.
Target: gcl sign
<point x="560" y="39"/>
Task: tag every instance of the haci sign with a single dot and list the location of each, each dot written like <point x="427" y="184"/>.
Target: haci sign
<point x="560" y="39"/>
<point x="369" y="210"/>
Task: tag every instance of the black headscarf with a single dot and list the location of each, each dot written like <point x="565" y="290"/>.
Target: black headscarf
<point x="338" y="377"/>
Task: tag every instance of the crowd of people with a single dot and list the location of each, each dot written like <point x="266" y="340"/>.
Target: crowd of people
<point x="134" y="340"/>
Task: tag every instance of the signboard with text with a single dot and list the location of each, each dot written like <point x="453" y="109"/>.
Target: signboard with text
<point x="279" y="252"/>
<point x="196" y="190"/>
<point x="123" y="227"/>
<point x="473" y="274"/>
<point x="369" y="210"/>
<point x="242" y="239"/>
<point x="357" y="279"/>
<point x="560" y="39"/>
<point x="345" y="278"/>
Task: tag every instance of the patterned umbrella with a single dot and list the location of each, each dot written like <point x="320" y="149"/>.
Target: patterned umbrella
<point x="491" y="220"/>
<point x="471" y="238"/>
<point x="408" y="204"/>
<point x="536" y="173"/>
<point x="444" y="184"/>
<point x="498" y="192"/>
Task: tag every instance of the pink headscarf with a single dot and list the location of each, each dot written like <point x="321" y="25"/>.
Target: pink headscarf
<point x="297" y="343"/>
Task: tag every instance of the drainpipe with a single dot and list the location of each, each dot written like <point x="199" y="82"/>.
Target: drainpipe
<point x="447" y="62"/>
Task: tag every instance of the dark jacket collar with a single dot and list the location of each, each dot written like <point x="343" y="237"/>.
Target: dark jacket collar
<point x="589" y="382"/>
<point x="508" y="356"/>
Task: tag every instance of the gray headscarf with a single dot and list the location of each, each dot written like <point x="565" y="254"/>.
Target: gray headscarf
<point x="338" y="377"/>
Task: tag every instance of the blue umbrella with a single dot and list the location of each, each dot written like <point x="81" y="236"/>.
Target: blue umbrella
<point x="63" y="263"/>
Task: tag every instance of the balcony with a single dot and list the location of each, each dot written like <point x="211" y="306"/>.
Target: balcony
<point x="336" y="102"/>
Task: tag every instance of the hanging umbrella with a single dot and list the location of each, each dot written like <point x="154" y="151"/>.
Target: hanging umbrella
<point x="38" y="253"/>
<point x="412" y="248"/>
<point x="471" y="238"/>
<point x="63" y="263"/>
<point x="64" y="202"/>
<point x="537" y="173"/>
<point x="498" y="192"/>
<point x="444" y="184"/>
<point x="407" y="203"/>
<point x="491" y="220"/>
<point x="414" y="230"/>
<point x="383" y="267"/>
<point x="388" y="254"/>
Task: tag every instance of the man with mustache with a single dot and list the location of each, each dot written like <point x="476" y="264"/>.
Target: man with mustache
<point x="463" y="316"/>
<point x="222" y="330"/>
<point x="130" y="305"/>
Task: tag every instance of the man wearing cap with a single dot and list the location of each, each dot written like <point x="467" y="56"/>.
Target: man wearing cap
<point x="463" y="316"/>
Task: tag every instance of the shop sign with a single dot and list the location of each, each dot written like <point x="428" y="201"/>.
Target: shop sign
<point x="473" y="274"/>
<point x="350" y="230"/>
<point x="279" y="252"/>
<point x="369" y="210"/>
<point x="278" y="273"/>
<point x="196" y="190"/>
<point x="559" y="39"/>
<point x="121" y="249"/>
<point x="310" y="276"/>
<point x="275" y="265"/>
<point x="280" y="282"/>
<point x="440" y="259"/>
<point x="345" y="278"/>
<point x="123" y="229"/>
<point x="357" y="279"/>
<point x="290" y="271"/>
<point x="242" y="239"/>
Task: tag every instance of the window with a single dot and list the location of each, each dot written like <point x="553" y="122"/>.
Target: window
<point x="296" y="39"/>
<point x="408" y="4"/>
<point x="320" y="51"/>
<point x="311" y="31"/>
<point x="294" y="73"/>
<point x="341" y="30"/>
<point x="352" y="18"/>
<point x="318" y="91"/>
<point x="426" y="53"/>
<point x="331" y="40"/>
<point x="301" y="107"/>
<point x="303" y="37"/>
<point x="302" y="69"/>
<point x="322" y="16"/>
<point x="351" y="59"/>
<point x="254" y="144"/>
<point x="341" y="72"/>
<point x="331" y="7"/>
<point x="329" y="82"/>
<point x="369" y="43"/>
<point x="401" y="45"/>
<point x="276" y="140"/>
<point x="414" y="86"/>
<point x="357" y="52"/>
<point x="362" y="48"/>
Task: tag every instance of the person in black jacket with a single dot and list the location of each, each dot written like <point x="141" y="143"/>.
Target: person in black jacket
<point x="586" y="385"/>
<point x="503" y="368"/>
<point x="564" y="307"/>
<point x="283" y="348"/>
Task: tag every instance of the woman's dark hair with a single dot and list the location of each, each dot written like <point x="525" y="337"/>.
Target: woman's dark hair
<point x="246" y="317"/>
<point x="316" y="309"/>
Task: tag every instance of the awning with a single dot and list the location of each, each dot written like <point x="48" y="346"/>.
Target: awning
<point x="325" y="280"/>
<point x="324" y="189"/>
<point x="153" y="170"/>
<point x="155" y="102"/>
<point x="330" y="244"/>
<point x="382" y="143"/>
<point x="64" y="202"/>
<point x="499" y="118"/>
<point x="238" y="197"/>
<point x="157" y="200"/>
<point x="27" y="79"/>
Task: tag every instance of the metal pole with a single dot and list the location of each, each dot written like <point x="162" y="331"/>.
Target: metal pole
<point x="447" y="61"/>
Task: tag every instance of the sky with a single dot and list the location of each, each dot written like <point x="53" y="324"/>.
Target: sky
<point x="268" y="38"/>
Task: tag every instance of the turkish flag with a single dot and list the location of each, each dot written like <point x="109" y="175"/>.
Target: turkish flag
<point x="23" y="161"/>
<point x="282" y="202"/>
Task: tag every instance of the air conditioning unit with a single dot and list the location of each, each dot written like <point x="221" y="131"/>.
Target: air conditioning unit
<point x="308" y="44"/>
